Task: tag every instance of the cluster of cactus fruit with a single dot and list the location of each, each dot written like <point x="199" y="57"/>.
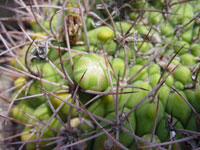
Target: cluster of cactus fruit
<point x="108" y="75"/>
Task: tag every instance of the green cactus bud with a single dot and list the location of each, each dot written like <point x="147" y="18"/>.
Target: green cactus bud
<point x="123" y="26"/>
<point x="166" y="29"/>
<point x="187" y="36"/>
<point x="192" y="124"/>
<point x="187" y="59"/>
<point x="155" y="18"/>
<point x="129" y="52"/>
<point x="178" y="85"/>
<point x="182" y="74"/>
<point x="145" y="117"/>
<point x="195" y="49"/>
<point x="153" y="68"/>
<point x="142" y="29"/>
<point x="141" y="61"/>
<point x="65" y="108"/>
<point x="20" y="80"/>
<point x="162" y="130"/>
<point x="153" y="79"/>
<point x="147" y="137"/>
<point x="133" y="15"/>
<point x="31" y="133"/>
<point x="21" y="115"/>
<point x="178" y="107"/>
<point x="193" y="96"/>
<point x="118" y="65"/>
<point x="144" y="46"/>
<point x="100" y="34"/>
<point x="97" y="107"/>
<point x="185" y="49"/>
<point x="163" y="94"/>
<point x="173" y="42"/>
<point x="139" y="93"/>
<point x="94" y="67"/>
<point x="184" y="13"/>
<point x="141" y="75"/>
<point x="170" y="79"/>
<point x="122" y="100"/>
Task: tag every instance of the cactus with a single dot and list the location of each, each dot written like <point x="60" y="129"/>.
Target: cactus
<point x="103" y="75"/>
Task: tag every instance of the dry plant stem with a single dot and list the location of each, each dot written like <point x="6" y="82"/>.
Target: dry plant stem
<point x="110" y="93"/>
<point x="132" y="132"/>
<point x="13" y="137"/>
<point x="13" y="100"/>
<point x="16" y="47"/>
<point x="37" y="21"/>
<point x="86" y="5"/>
<point x="13" y="120"/>
<point x="26" y="60"/>
<point x="13" y="10"/>
<point x="55" y="112"/>
<point x="21" y="3"/>
<point x="65" y="49"/>
<point x="24" y="143"/>
<point x="66" y="35"/>
<point x="188" y="132"/>
<point x="116" y="103"/>
<point x="37" y="78"/>
<point x="91" y="100"/>
<point x="114" y="73"/>
<point x="41" y="123"/>
<point x="12" y="54"/>
<point x="10" y="72"/>
<point x="112" y="89"/>
<point x="180" y="2"/>
<point x="28" y="97"/>
<point x="8" y="36"/>
<point x="110" y="17"/>
<point x="34" y="141"/>
<point x="36" y="5"/>
<point x="90" y="13"/>
<point x="155" y="121"/>
<point x="10" y="89"/>
<point x="139" y="138"/>
<point x="146" y="36"/>
<point x="66" y="75"/>
<point x="126" y="63"/>
<point x="84" y="140"/>
<point x="58" y="139"/>
<point x="50" y="25"/>
<point x="137" y="18"/>
<point x="73" y="98"/>
<point x="54" y="67"/>
<point x="169" y="143"/>
<point x="84" y="27"/>
<point x="15" y="19"/>
<point x="53" y="115"/>
<point x="196" y="78"/>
